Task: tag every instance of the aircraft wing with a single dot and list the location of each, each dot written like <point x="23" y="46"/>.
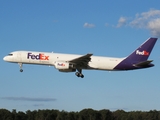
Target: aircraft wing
<point x="144" y="63"/>
<point x="81" y="61"/>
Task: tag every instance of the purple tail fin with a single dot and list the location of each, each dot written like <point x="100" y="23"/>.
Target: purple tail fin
<point x="142" y="53"/>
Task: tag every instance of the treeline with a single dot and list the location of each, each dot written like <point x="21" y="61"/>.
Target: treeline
<point x="86" y="114"/>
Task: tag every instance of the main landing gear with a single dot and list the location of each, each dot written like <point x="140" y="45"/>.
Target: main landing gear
<point x="79" y="73"/>
<point x="20" y="65"/>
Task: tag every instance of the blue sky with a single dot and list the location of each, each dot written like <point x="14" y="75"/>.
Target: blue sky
<point x="104" y="28"/>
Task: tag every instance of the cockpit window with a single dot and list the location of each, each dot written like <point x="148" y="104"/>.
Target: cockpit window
<point x="10" y="54"/>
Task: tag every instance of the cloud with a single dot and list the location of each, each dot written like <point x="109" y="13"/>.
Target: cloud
<point x="122" y="21"/>
<point x="146" y="20"/>
<point x="154" y="27"/>
<point x="29" y="99"/>
<point x="88" y="25"/>
<point x="106" y="24"/>
<point x="141" y="20"/>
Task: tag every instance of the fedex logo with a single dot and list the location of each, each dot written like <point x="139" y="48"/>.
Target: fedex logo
<point x="142" y="53"/>
<point x="40" y="56"/>
<point x="61" y="64"/>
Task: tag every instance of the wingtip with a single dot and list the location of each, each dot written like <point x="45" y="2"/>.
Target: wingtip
<point x="90" y="54"/>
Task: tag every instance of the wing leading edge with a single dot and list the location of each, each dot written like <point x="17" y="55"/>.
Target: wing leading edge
<point x="81" y="62"/>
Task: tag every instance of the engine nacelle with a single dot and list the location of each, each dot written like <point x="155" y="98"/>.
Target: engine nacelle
<point x="63" y="66"/>
<point x="68" y="70"/>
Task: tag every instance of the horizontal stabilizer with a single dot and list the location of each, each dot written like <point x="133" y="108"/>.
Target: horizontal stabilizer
<point x="144" y="63"/>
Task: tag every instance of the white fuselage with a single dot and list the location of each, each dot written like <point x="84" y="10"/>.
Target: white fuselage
<point x="138" y="59"/>
<point x="45" y="58"/>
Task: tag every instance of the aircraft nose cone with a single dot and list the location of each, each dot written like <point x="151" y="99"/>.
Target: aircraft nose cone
<point x="5" y="58"/>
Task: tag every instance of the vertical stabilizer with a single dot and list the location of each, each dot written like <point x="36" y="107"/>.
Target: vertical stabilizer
<point x="138" y="59"/>
<point x="142" y="53"/>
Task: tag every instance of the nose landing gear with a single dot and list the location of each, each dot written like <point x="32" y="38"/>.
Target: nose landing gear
<point x="21" y="65"/>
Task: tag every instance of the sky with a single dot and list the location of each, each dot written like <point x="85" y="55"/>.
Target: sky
<point x="104" y="28"/>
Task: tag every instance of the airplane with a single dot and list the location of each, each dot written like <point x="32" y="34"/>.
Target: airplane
<point x="138" y="59"/>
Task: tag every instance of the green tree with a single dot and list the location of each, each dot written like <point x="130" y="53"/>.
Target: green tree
<point x="106" y="115"/>
<point x="89" y="114"/>
<point x="5" y="115"/>
<point x="21" y="116"/>
<point x="62" y="115"/>
<point x="31" y="115"/>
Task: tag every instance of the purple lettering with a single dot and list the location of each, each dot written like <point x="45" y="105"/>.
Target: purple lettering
<point x="37" y="57"/>
<point x="29" y="54"/>
<point x="33" y="57"/>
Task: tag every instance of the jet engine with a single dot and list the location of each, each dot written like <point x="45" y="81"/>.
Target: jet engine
<point x="63" y="66"/>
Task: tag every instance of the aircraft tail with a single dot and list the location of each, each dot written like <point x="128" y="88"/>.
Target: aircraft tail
<point x="142" y="53"/>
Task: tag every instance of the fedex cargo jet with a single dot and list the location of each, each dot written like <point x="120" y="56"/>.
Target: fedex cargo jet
<point x="72" y="63"/>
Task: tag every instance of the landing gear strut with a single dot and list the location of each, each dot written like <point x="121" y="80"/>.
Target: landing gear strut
<point x="20" y="65"/>
<point x="79" y="73"/>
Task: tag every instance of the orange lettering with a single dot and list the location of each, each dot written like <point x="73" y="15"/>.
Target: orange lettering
<point x="46" y="57"/>
<point x="41" y="56"/>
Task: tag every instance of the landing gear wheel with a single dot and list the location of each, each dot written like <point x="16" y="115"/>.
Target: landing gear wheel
<point x="21" y="70"/>
<point x="79" y="74"/>
<point x="82" y="76"/>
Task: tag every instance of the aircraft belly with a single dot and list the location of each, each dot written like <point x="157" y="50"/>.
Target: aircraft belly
<point x="104" y="64"/>
<point x="107" y="66"/>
